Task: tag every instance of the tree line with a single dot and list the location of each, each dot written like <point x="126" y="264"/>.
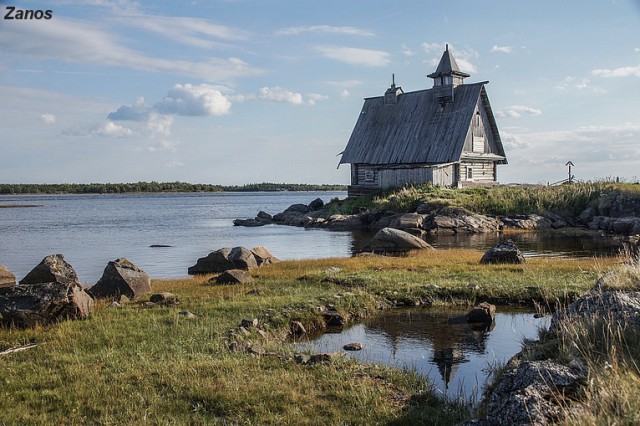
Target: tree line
<point x="154" y="187"/>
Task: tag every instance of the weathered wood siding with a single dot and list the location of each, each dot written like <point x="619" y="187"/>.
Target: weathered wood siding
<point x="481" y="171"/>
<point x="376" y="176"/>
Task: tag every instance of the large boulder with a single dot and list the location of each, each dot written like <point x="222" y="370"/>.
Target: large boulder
<point x="28" y="305"/>
<point x="316" y="204"/>
<point x="52" y="269"/>
<point x="408" y="221"/>
<point x="7" y="279"/>
<point x="232" y="276"/>
<point x="618" y="307"/>
<point x="389" y="239"/>
<point x="121" y="278"/>
<point x="482" y="313"/>
<point x="456" y="220"/>
<point x="224" y="259"/>
<point x="503" y="252"/>
<point x="530" y="221"/>
<point x="263" y="256"/>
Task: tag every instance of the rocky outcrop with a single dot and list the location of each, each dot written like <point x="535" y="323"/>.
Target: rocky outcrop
<point x="456" y="220"/>
<point x="7" y="279"/>
<point x="616" y="307"/>
<point x="529" y="222"/>
<point x="52" y="269"/>
<point x="38" y="301"/>
<point x="224" y="259"/>
<point x="395" y="240"/>
<point x="503" y="252"/>
<point x="121" y="278"/>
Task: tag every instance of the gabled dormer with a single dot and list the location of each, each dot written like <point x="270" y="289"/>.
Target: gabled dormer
<point x="446" y="77"/>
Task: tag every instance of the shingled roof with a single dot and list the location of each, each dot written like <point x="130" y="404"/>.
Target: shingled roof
<point x="417" y="129"/>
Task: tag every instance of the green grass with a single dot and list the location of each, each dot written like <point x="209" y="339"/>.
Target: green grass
<point x="131" y="365"/>
<point x="568" y="200"/>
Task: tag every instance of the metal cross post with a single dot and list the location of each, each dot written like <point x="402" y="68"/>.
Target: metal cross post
<point x="569" y="163"/>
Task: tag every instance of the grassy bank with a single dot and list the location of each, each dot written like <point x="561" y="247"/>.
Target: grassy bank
<point x="134" y="365"/>
<point x="568" y="200"/>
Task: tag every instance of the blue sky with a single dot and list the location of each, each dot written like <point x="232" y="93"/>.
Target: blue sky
<point x="241" y="91"/>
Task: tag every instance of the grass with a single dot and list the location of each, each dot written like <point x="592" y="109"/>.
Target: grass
<point x="568" y="200"/>
<point x="131" y="365"/>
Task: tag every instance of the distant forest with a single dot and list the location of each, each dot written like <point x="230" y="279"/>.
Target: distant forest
<point x="124" y="188"/>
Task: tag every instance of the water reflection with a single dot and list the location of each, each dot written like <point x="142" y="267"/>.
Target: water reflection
<point x="437" y="343"/>
<point x="532" y="244"/>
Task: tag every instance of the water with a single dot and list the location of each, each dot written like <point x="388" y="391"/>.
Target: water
<point x="91" y="230"/>
<point x="437" y="343"/>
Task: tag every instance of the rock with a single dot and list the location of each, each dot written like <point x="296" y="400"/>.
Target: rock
<point x="332" y="270"/>
<point x="333" y="318"/>
<point x="121" y="278"/>
<point x="7" y="279"/>
<point x="256" y="349"/>
<point x="249" y="322"/>
<point x="187" y="314"/>
<point x="44" y="303"/>
<point x="526" y="392"/>
<point x="503" y="252"/>
<point x="52" y="269"/>
<point x="224" y="259"/>
<point x="408" y="221"/>
<point x="430" y="207"/>
<point x="302" y="359"/>
<point x="297" y="208"/>
<point x="530" y="221"/>
<point x="148" y="305"/>
<point x="356" y="346"/>
<point x="164" y="298"/>
<point x="114" y="304"/>
<point x="456" y="220"/>
<point x="264" y="216"/>
<point x="389" y="239"/>
<point x="481" y="313"/>
<point x="232" y="276"/>
<point x="263" y="256"/>
<point x="316" y="204"/>
<point x="251" y="223"/>
<point x="343" y="222"/>
<point x="618" y="307"/>
<point x="297" y="328"/>
<point x="159" y="246"/>
<point x="324" y="358"/>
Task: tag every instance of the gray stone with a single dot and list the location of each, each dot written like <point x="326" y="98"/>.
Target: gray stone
<point x="232" y="276"/>
<point x="52" y="269"/>
<point x="224" y="259"/>
<point x="249" y="322"/>
<point x="165" y="298"/>
<point x="7" y="279"/>
<point x="355" y="346"/>
<point x="408" y="221"/>
<point x="121" y="278"/>
<point x="187" y="314"/>
<point x="389" y="239"/>
<point x="617" y="307"/>
<point x="251" y="223"/>
<point x="481" y="313"/>
<point x="316" y="204"/>
<point x="503" y="252"/>
<point x="263" y="256"/>
<point x="333" y="318"/>
<point x="264" y="216"/>
<point x="43" y="303"/>
<point x="531" y="221"/>
<point x="456" y="220"/>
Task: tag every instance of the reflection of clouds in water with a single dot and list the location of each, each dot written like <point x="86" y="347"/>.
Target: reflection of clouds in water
<point x="436" y="344"/>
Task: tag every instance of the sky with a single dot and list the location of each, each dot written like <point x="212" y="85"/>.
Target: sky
<point x="245" y="91"/>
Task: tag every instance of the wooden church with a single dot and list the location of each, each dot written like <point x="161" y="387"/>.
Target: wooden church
<point x="446" y="135"/>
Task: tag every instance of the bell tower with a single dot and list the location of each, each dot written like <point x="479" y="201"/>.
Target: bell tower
<point x="446" y="78"/>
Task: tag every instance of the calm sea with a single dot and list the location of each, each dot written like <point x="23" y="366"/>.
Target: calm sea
<point x="90" y="230"/>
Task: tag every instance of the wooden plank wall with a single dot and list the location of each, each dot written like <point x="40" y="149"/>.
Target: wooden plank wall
<point x="482" y="171"/>
<point x="386" y="178"/>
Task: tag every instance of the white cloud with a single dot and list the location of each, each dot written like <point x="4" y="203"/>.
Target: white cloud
<point x="344" y="94"/>
<point x="313" y="98"/>
<point x="406" y="51"/>
<point x="75" y="41"/>
<point x="48" y="118"/>
<point x="356" y="56"/>
<point x="112" y="130"/>
<point x="618" y="72"/>
<point x="324" y="29"/>
<point x="637" y="50"/>
<point x="163" y="145"/>
<point x="503" y="49"/>
<point x="516" y="111"/>
<point x="200" y="100"/>
<point x="278" y="94"/>
<point x="430" y="47"/>
<point x="582" y="84"/>
<point x="173" y="164"/>
<point x="159" y="125"/>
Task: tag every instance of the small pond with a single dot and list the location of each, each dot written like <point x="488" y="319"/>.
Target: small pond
<point x="438" y="344"/>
